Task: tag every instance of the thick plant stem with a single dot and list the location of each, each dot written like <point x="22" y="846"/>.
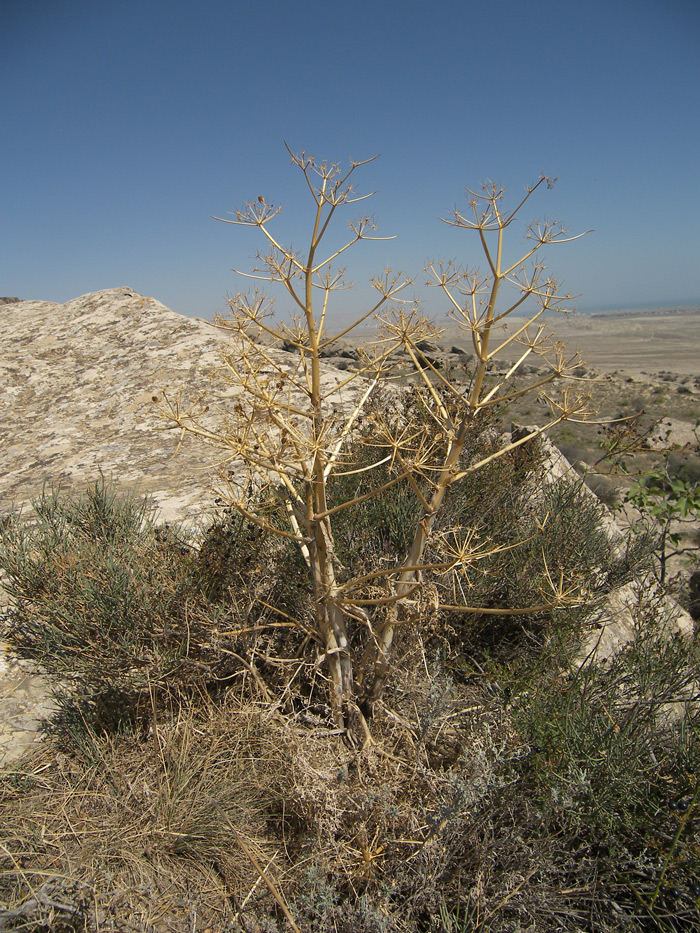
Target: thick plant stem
<point x="409" y="577"/>
<point x="331" y="623"/>
<point x="414" y="558"/>
<point x="329" y="617"/>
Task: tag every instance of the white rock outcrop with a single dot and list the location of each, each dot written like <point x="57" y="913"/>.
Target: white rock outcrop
<point x="77" y="385"/>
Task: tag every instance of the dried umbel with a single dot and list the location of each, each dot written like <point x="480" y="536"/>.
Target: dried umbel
<point x="286" y="429"/>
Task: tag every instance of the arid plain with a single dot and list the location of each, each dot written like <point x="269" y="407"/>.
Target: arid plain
<point x="635" y="342"/>
<point x="641" y="342"/>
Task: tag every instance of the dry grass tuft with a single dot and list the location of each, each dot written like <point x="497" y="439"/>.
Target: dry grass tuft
<point x="139" y="827"/>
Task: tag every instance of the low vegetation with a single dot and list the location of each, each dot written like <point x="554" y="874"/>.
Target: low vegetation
<point x="506" y="785"/>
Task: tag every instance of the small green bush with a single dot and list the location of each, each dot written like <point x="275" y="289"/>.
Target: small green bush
<point x="103" y="600"/>
<point x="614" y="754"/>
<point x="544" y="531"/>
<point x="669" y="503"/>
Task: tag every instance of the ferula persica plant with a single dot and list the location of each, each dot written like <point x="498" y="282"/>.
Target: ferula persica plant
<point x="285" y="431"/>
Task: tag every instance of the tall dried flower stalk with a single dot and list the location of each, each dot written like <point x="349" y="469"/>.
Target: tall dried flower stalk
<point x="285" y="427"/>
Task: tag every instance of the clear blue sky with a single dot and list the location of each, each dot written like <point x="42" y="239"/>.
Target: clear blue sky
<point x="128" y="124"/>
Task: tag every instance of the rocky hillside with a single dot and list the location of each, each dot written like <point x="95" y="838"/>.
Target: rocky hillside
<point x="78" y="384"/>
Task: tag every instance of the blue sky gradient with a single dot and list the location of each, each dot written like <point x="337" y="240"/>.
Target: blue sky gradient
<point x="128" y="124"/>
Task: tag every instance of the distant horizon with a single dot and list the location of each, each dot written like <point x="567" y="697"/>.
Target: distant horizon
<point x="623" y="308"/>
<point x="602" y="309"/>
<point x="685" y="304"/>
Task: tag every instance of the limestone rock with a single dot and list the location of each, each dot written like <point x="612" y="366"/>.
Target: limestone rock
<point x="78" y="382"/>
<point x="672" y="432"/>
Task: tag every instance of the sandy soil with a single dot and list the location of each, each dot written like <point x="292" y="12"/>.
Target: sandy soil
<point x="639" y="341"/>
<point x="633" y="342"/>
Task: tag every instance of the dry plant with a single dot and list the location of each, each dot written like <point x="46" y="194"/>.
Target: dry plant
<point x="150" y="832"/>
<point x="287" y="430"/>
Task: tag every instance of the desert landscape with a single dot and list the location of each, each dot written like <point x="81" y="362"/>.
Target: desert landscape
<point x="634" y="343"/>
<point x="80" y="383"/>
<point x="79" y="380"/>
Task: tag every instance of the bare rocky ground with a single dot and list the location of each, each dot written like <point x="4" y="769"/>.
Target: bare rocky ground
<point x="78" y="381"/>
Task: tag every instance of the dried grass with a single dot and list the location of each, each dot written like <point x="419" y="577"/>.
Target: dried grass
<point x="141" y="823"/>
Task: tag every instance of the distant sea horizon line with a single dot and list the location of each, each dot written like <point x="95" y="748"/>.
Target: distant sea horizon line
<point x="670" y="308"/>
<point x="686" y="307"/>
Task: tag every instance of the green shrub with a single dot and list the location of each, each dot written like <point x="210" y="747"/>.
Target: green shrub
<point x="103" y="600"/>
<point x="666" y="502"/>
<point x="121" y="611"/>
<point x="615" y="754"/>
<point x="541" y="531"/>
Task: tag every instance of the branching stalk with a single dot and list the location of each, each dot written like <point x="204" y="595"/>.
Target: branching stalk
<point x="287" y="430"/>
